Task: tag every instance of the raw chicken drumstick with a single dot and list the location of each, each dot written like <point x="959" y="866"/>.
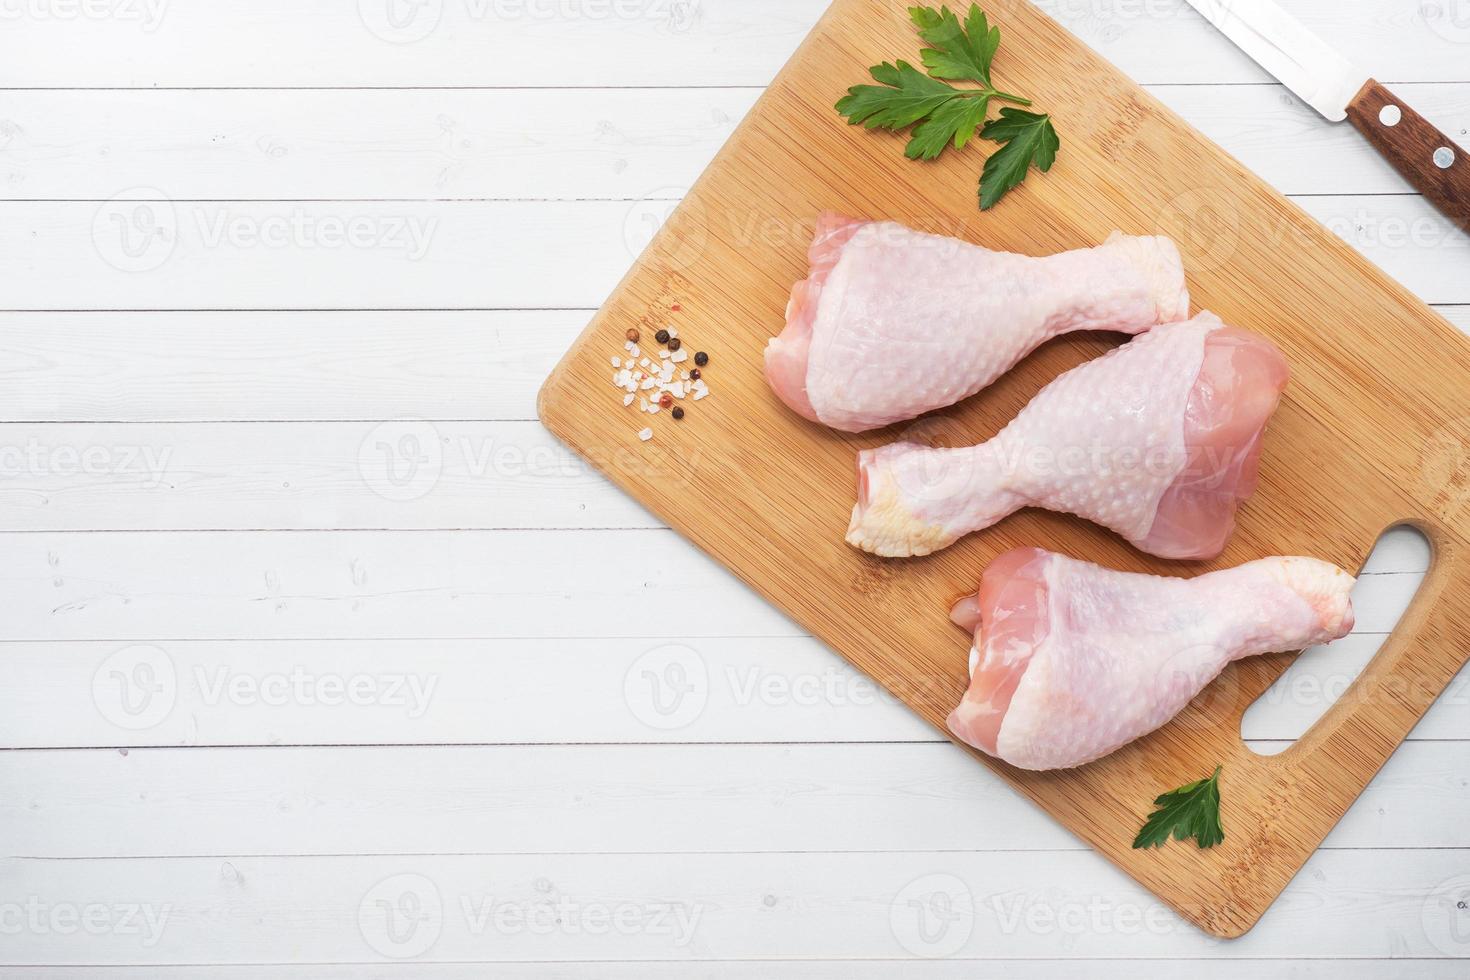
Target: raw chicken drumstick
<point x="1072" y="661"/>
<point x="892" y="323"/>
<point x="1159" y="440"/>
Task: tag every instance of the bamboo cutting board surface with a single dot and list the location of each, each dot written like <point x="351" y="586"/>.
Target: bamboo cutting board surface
<point x="1374" y="431"/>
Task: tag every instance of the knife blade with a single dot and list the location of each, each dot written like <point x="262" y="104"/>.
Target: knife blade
<point x="1278" y="42"/>
<point x="1338" y="89"/>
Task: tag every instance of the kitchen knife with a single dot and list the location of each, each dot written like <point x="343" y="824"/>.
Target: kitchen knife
<point x="1339" y="90"/>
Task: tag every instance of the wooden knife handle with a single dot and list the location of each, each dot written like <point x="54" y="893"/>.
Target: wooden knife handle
<point x="1429" y="159"/>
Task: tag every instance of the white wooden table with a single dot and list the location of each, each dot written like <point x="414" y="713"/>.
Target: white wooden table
<point x="320" y="658"/>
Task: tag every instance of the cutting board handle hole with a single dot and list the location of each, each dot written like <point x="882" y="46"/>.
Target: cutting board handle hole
<point x="1321" y="676"/>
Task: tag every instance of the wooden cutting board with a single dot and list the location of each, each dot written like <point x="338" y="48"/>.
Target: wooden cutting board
<point x="1375" y="429"/>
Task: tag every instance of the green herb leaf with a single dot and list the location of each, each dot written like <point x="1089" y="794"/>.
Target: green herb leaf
<point x="905" y="96"/>
<point x="954" y="122"/>
<point x="1029" y="138"/>
<point x="942" y="115"/>
<point x="957" y="51"/>
<point x="1189" y="811"/>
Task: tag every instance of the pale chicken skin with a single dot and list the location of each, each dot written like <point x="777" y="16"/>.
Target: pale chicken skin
<point x="1159" y="440"/>
<point x="1072" y="661"/>
<point x="892" y="323"/>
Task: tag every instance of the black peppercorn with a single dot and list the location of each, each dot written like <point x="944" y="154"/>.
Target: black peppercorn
<point x="701" y="358"/>
<point x="662" y="336"/>
<point x="694" y="374"/>
<point x="678" y="414"/>
<point x="675" y="343"/>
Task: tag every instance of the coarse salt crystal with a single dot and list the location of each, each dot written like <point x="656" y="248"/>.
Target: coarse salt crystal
<point x="665" y="354"/>
<point x="684" y="375"/>
<point x="646" y="435"/>
<point x="672" y="332"/>
<point x="627" y="399"/>
<point x="645" y="362"/>
<point x="616" y="362"/>
<point x="701" y="393"/>
<point x="682" y="355"/>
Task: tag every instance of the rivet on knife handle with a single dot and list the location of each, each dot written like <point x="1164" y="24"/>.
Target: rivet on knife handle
<point x="1430" y="160"/>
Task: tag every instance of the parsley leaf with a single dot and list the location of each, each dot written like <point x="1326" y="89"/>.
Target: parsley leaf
<point x="956" y="52"/>
<point x="1189" y="811"/>
<point x="941" y="115"/>
<point x="954" y="122"/>
<point x="906" y="96"/>
<point x="1029" y="138"/>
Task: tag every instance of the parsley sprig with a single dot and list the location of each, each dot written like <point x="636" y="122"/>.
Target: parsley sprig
<point x="1189" y="811"/>
<point x="940" y="115"/>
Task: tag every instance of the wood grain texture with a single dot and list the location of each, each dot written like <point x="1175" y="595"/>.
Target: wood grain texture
<point x="1364" y="440"/>
<point x="1436" y="165"/>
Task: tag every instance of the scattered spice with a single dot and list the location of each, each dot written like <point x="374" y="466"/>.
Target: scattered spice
<point x="652" y="385"/>
<point x="676" y="307"/>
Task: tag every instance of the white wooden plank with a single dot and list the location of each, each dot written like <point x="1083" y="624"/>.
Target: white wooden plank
<point x="302" y="366"/>
<point x="655" y="689"/>
<point x="162" y="254"/>
<point x="217" y="367"/>
<point x="666" y="689"/>
<point x="805" y="969"/>
<point x="129" y="254"/>
<point x="263" y="585"/>
<point x="690" y="908"/>
<point x="582" y="143"/>
<point x="402" y="474"/>
<point x="628" y="42"/>
<point x="282" y="144"/>
<point x="708" y="798"/>
<point x="428" y="584"/>
<point x="405" y="474"/>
